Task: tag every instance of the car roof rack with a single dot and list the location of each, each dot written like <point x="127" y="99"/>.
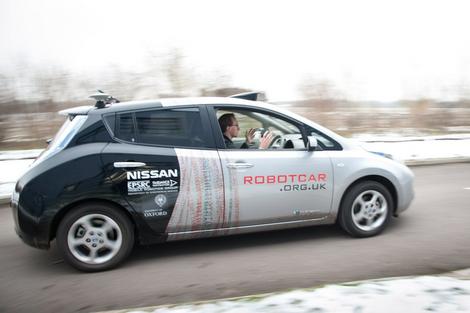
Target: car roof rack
<point x="251" y="95"/>
<point x="102" y="99"/>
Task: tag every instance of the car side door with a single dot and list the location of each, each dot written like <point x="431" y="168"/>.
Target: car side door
<point x="285" y="183"/>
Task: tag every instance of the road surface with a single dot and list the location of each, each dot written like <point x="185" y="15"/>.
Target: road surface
<point x="433" y="236"/>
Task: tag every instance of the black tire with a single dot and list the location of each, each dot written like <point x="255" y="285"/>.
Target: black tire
<point x="347" y="210"/>
<point x="95" y="212"/>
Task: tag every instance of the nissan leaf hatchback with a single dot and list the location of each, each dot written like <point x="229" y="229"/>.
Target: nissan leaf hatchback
<point x="144" y="172"/>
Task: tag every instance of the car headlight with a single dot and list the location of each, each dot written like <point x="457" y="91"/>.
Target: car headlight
<point x="386" y="155"/>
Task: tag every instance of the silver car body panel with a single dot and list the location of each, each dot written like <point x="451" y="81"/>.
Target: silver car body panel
<point x="264" y="206"/>
<point x="244" y="229"/>
<point x="279" y="186"/>
<point x="354" y="164"/>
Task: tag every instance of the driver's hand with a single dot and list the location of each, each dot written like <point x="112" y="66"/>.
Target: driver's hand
<point x="250" y="135"/>
<point x="266" y="140"/>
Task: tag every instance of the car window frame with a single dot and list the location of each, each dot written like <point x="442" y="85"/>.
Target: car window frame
<point x="217" y="133"/>
<point x="336" y="145"/>
<point x="203" y="114"/>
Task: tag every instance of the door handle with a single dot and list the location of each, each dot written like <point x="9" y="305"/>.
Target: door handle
<point x="128" y="164"/>
<point x="239" y="165"/>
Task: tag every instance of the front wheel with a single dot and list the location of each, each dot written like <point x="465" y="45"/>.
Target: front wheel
<point x="95" y="237"/>
<point x="366" y="209"/>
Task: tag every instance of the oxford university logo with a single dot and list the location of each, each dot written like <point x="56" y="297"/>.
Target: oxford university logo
<point x="160" y="200"/>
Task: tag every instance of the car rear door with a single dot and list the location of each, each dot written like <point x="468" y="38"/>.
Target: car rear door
<point x="165" y="165"/>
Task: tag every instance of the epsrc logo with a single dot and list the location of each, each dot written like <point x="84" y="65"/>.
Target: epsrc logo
<point x="142" y="185"/>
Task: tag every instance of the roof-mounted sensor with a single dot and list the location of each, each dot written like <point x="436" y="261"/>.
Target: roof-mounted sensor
<point x="102" y="99"/>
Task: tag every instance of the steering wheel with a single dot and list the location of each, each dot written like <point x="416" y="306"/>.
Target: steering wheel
<point x="276" y="142"/>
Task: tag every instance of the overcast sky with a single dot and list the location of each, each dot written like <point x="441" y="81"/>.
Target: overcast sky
<point x="371" y="50"/>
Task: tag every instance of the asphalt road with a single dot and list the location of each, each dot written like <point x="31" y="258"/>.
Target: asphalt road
<point x="433" y="236"/>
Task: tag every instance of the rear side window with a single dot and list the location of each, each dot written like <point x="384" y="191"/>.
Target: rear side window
<point x="66" y="133"/>
<point x="163" y="127"/>
<point x="125" y="127"/>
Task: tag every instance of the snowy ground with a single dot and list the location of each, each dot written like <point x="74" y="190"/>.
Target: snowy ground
<point x="410" y="150"/>
<point x="413" y="149"/>
<point x="11" y="170"/>
<point x="413" y="295"/>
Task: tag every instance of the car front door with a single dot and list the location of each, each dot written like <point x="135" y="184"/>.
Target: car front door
<point x="284" y="183"/>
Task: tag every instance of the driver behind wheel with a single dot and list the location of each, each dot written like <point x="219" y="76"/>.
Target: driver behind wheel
<point x="230" y="128"/>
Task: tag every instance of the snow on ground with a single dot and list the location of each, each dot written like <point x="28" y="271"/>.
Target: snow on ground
<point x="19" y="154"/>
<point x="390" y="137"/>
<point x="11" y="170"/>
<point x="408" y="149"/>
<point x="413" y="295"/>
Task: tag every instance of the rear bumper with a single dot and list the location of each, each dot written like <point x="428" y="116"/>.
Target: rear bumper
<point x="27" y="227"/>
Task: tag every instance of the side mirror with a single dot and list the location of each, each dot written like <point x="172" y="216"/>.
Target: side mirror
<point x="312" y="143"/>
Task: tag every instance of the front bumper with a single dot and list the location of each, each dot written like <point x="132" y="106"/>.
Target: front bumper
<point x="406" y="194"/>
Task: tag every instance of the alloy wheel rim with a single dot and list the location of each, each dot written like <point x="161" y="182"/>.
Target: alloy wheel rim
<point x="369" y="210"/>
<point x="94" y="239"/>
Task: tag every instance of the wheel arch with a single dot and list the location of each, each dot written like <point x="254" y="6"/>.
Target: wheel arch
<point x="62" y="212"/>
<point x="379" y="179"/>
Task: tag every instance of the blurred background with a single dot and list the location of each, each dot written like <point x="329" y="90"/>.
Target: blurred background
<point x="373" y="70"/>
<point x="395" y="68"/>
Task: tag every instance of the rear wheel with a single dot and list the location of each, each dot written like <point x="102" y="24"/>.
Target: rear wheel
<point x="95" y="237"/>
<point x="366" y="209"/>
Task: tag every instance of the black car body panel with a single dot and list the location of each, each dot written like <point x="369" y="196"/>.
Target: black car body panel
<point x="84" y="171"/>
<point x="163" y="159"/>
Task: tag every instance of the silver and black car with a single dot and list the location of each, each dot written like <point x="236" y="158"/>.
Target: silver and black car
<point x="144" y="172"/>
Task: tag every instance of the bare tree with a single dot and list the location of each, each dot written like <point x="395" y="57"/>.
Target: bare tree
<point x="321" y="97"/>
<point x="319" y="93"/>
<point x="223" y="92"/>
<point x="420" y="112"/>
<point x="7" y="90"/>
<point x="179" y="77"/>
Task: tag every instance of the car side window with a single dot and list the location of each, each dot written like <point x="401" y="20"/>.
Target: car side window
<point x="248" y="129"/>
<point x="181" y="127"/>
